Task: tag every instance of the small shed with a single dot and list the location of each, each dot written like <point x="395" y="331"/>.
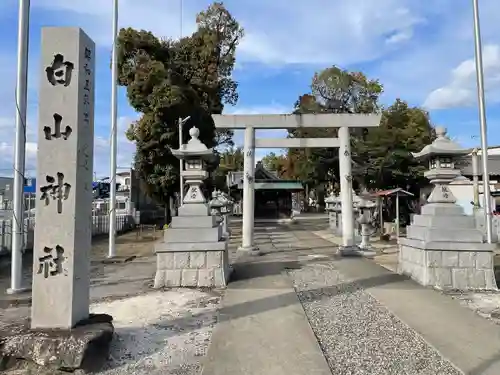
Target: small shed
<point x="397" y="192"/>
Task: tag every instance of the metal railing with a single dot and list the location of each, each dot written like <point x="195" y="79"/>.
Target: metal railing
<point x="100" y="226"/>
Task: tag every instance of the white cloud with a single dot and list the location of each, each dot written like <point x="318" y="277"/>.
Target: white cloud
<point x="414" y="47"/>
<point x="273" y="108"/>
<point x="7" y="135"/>
<point x="438" y="46"/>
<point x="461" y="90"/>
<point x="102" y="148"/>
<point x="317" y="31"/>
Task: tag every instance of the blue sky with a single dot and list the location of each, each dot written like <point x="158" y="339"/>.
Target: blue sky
<point x="422" y="53"/>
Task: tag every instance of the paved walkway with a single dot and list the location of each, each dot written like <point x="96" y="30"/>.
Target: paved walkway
<point x="299" y="309"/>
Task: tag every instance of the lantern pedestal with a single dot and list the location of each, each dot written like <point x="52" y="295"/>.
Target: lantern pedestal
<point x="443" y="247"/>
<point x="193" y="252"/>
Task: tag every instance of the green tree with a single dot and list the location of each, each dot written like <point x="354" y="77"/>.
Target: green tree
<point x="333" y="90"/>
<point x="276" y="163"/>
<point x="231" y="160"/>
<point x="383" y="154"/>
<point x="170" y="79"/>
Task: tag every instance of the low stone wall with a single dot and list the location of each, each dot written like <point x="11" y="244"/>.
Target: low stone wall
<point x="192" y="268"/>
<point x="447" y="269"/>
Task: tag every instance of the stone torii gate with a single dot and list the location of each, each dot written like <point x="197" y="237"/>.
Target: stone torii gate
<point x="325" y="120"/>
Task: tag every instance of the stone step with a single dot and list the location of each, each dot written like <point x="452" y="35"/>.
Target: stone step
<point x="444" y="234"/>
<point x="194" y="210"/>
<point x="462" y="221"/>
<point x="187" y="222"/>
<point x="442" y="209"/>
<point x="193" y="235"/>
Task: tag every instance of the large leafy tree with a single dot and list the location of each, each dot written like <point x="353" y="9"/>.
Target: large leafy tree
<point x="333" y="90"/>
<point x="231" y="160"/>
<point x="383" y="154"/>
<point x="170" y="79"/>
<point x="275" y="163"/>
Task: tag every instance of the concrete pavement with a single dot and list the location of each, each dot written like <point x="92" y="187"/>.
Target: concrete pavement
<point x="253" y="338"/>
<point x="263" y="328"/>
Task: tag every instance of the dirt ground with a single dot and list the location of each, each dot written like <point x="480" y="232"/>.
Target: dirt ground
<point x="108" y="276"/>
<point x="156" y="331"/>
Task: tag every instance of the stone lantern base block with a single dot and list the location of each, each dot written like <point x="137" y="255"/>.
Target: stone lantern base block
<point x="355" y="251"/>
<point x="448" y="265"/>
<point x="250" y="250"/>
<point x="193" y="252"/>
<point x="191" y="265"/>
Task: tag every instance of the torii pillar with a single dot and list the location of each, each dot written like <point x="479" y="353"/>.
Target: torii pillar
<point x="247" y="242"/>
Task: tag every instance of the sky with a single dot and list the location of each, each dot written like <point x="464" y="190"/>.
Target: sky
<point x="421" y="51"/>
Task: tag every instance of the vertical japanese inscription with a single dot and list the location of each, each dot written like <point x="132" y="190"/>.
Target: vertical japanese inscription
<point x="87" y="88"/>
<point x="63" y="231"/>
<point x="87" y="85"/>
<point x="56" y="189"/>
<point x="60" y="71"/>
<point x="57" y="132"/>
<point x="50" y="264"/>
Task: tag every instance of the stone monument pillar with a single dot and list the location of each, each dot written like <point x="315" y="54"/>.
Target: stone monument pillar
<point x="193" y="252"/>
<point x="61" y="254"/>
<point x="443" y="248"/>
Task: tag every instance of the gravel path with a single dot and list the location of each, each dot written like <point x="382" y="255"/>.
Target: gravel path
<point x="356" y="333"/>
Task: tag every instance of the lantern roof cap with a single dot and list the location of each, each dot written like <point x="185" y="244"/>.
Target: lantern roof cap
<point x="442" y="146"/>
<point x="194" y="148"/>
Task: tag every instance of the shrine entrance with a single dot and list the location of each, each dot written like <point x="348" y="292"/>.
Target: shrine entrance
<point x="324" y="120"/>
<point x="274" y="196"/>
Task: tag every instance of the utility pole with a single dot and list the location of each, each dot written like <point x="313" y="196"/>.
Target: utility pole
<point x="20" y="147"/>
<point x="482" y="121"/>
<point x="114" y="135"/>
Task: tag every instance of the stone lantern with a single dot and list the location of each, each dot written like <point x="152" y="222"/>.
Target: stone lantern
<point x="337" y="209"/>
<point x="356" y="199"/>
<point x="366" y="208"/>
<point x="216" y="205"/>
<point x="330" y="203"/>
<point x="226" y="211"/>
<point x="193" y="252"/>
<point x="443" y="248"/>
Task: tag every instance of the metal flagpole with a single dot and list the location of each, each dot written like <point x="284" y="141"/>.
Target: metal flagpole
<point x="114" y="133"/>
<point x="482" y="120"/>
<point x="20" y="147"/>
<point x="181" y="123"/>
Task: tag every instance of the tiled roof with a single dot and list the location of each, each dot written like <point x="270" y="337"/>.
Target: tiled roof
<point x="493" y="166"/>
